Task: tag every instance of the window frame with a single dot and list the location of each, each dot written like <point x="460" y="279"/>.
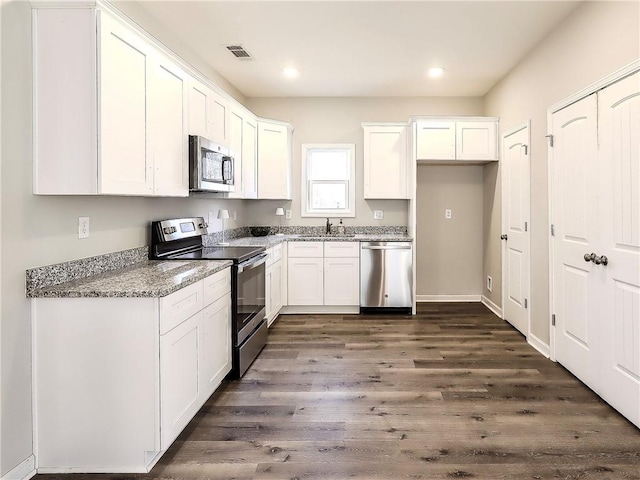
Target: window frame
<point x="306" y="210"/>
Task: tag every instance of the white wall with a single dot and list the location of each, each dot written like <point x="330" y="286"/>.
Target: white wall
<point x="449" y="251"/>
<point x="338" y="120"/>
<point x="595" y="40"/>
<point x="41" y="230"/>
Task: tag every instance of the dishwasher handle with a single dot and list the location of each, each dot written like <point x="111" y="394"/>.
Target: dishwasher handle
<point x="386" y="247"/>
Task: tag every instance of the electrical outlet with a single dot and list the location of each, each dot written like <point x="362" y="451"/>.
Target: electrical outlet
<point x="235" y="215"/>
<point x="447" y="214"/>
<point x="83" y="227"/>
<point x="287" y="214"/>
<point x="489" y="283"/>
<point x="378" y="214"/>
<point x="212" y="217"/>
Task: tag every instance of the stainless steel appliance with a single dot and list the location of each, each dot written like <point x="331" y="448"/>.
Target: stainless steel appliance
<point x="210" y="166"/>
<point x="386" y="275"/>
<point x="181" y="239"/>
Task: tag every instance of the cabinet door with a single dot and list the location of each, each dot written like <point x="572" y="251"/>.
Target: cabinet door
<point x="236" y="127"/>
<point x="218" y="121"/>
<point x="274" y="161"/>
<point x="167" y="134"/>
<point x="385" y="162"/>
<point x="125" y="165"/>
<point x="436" y="140"/>
<point x="250" y="158"/>
<point x="305" y="281"/>
<point x="216" y="348"/>
<point x="276" y="290"/>
<point x="199" y="113"/>
<point x="476" y="141"/>
<point x="268" y="307"/>
<point x="180" y="383"/>
<point x="342" y="281"/>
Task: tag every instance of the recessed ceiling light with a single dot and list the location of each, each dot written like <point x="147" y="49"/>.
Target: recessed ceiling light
<point x="290" y="72"/>
<point x="436" y="72"/>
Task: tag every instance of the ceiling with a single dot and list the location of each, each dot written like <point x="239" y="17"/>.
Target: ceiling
<point x="361" y="48"/>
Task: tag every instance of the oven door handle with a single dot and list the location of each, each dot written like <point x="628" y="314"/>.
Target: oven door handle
<point x="252" y="263"/>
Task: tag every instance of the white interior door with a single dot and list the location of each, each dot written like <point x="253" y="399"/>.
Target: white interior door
<point x="619" y="280"/>
<point x="516" y="245"/>
<point x="574" y="216"/>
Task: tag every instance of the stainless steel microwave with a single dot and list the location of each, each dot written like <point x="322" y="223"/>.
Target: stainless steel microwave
<point x="210" y="166"/>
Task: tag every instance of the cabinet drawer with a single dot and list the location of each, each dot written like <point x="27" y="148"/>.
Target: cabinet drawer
<point x="180" y="305"/>
<point x="274" y="254"/>
<point x="342" y="249"/>
<point x="305" y="250"/>
<point x="216" y="285"/>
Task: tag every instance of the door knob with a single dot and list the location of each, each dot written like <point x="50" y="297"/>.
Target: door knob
<point x="503" y="236"/>
<point x="603" y="260"/>
<point x="589" y="257"/>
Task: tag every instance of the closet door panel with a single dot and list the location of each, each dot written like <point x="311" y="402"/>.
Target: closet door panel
<point x="619" y="193"/>
<point x="575" y="219"/>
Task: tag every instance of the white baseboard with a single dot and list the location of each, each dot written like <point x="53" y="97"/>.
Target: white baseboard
<point x="320" y="309"/>
<point x="23" y="471"/>
<point x="539" y="345"/>
<point x="447" y="298"/>
<point x="492" y="306"/>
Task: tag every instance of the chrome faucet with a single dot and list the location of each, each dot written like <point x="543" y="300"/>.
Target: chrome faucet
<point x="327" y="229"/>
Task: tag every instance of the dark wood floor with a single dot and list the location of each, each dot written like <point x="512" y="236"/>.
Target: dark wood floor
<point x="453" y="392"/>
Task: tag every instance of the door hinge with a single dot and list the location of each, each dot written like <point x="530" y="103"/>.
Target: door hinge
<point x="550" y="137"/>
<point x="553" y="230"/>
<point x="553" y="319"/>
<point x="526" y="226"/>
<point x="526" y="303"/>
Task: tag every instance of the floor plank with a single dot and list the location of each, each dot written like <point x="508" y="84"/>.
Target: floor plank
<point x="452" y="392"/>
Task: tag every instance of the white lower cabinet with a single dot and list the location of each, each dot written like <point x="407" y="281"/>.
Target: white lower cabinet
<point x="342" y="281"/>
<point x="181" y="364"/>
<point x="306" y="281"/>
<point x="275" y="281"/>
<point x="117" y="379"/>
<point x="323" y="274"/>
<point x="216" y="344"/>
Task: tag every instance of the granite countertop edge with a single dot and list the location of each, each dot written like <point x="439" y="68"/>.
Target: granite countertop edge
<point x="148" y="279"/>
<point x="272" y="240"/>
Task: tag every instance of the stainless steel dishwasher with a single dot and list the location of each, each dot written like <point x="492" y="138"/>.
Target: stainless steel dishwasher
<point x="386" y="275"/>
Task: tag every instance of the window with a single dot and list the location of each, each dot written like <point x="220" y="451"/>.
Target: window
<point x="328" y="180"/>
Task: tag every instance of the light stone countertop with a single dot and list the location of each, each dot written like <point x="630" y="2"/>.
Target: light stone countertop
<point x="271" y="240"/>
<point x="149" y="278"/>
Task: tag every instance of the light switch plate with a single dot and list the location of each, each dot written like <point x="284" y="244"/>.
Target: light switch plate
<point x="83" y="227"/>
<point x="378" y="214"/>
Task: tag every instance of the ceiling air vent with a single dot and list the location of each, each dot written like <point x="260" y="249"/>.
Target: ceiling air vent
<point x="238" y="51"/>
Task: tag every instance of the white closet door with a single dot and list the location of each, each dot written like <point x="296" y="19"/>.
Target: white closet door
<point x="619" y="280"/>
<point x="575" y="217"/>
<point x="516" y="178"/>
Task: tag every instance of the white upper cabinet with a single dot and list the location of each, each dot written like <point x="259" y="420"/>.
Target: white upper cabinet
<point x="436" y="140"/>
<point x="167" y="133"/>
<point x="243" y="147"/>
<point x="274" y="160"/>
<point x="385" y="161"/>
<point x="470" y="140"/>
<point x="209" y="113"/>
<point x="476" y="141"/>
<point x="109" y="109"/>
<point x="250" y="157"/>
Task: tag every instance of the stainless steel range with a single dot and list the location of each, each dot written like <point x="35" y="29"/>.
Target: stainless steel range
<point x="181" y="239"/>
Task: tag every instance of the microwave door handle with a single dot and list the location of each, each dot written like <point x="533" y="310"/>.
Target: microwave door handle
<point x="228" y="160"/>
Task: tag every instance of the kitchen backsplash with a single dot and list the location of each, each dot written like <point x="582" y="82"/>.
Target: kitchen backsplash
<point x="240" y="232"/>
